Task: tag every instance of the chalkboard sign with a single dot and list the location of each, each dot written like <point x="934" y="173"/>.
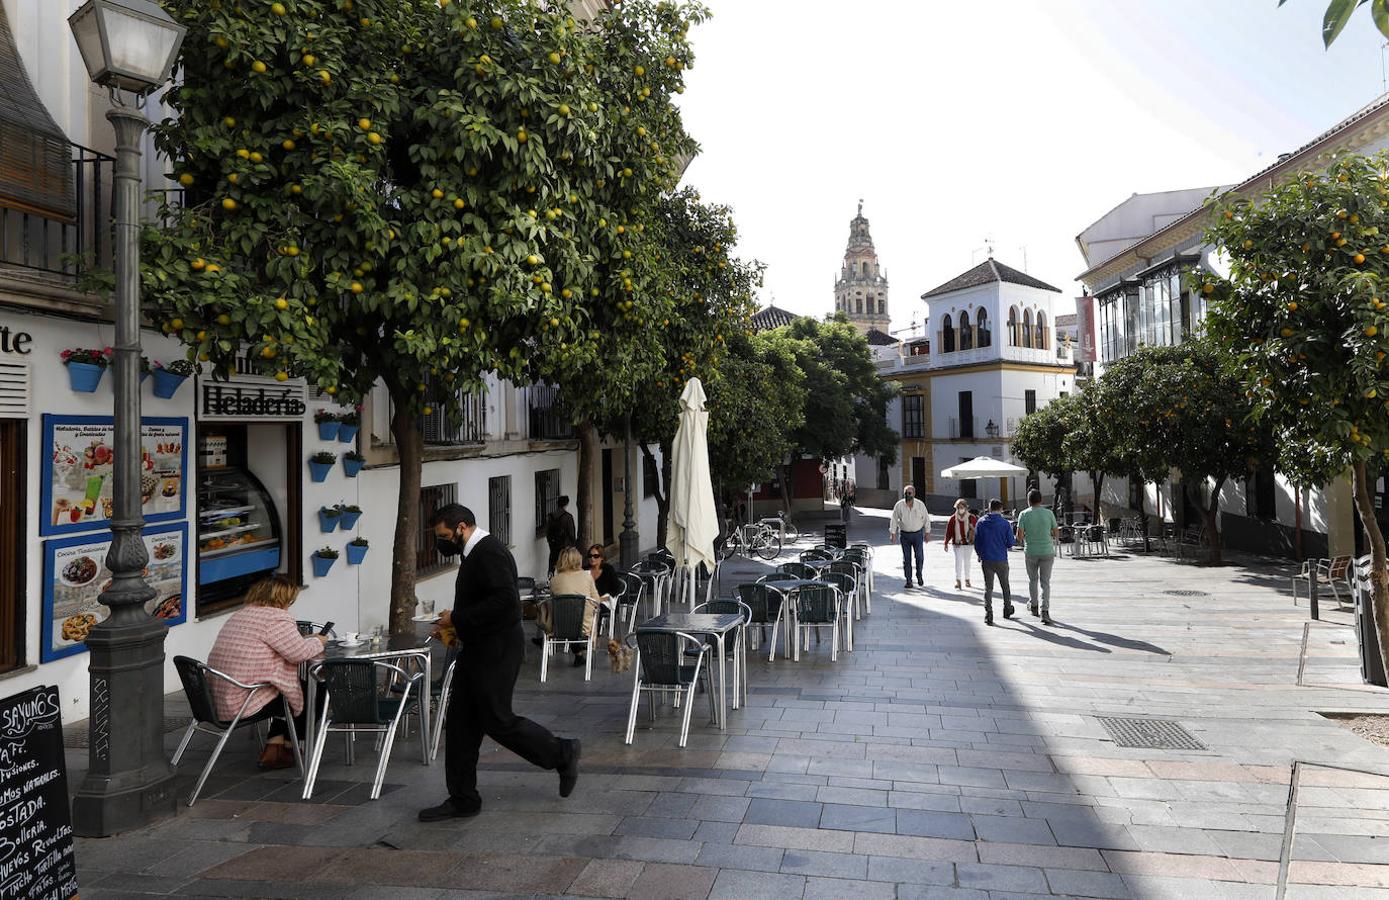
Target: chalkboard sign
<point x="36" y="858"/>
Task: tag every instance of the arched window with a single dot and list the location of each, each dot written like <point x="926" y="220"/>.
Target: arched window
<point x="1041" y="330"/>
<point x="870" y="304"/>
<point x="966" y="335"/>
<point x="858" y="305"/>
<point x="947" y="335"/>
<point x="865" y="267"/>
<point x="1012" y="326"/>
<point x="882" y="306"/>
<point x="982" y="337"/>
<point x="1027" y="328"/>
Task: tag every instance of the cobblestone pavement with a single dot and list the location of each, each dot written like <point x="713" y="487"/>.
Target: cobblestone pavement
<point x="939" y="759"/>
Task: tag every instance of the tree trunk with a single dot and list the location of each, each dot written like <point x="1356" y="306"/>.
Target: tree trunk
<point x="663" y="523"/>
<point x="583" y="494"/>
<point x="785" y="491"/>
<point x="1097" y="481"/>
<point x="1142" y="511"/>
<point x="1213" y="523"/>
<point x="409" y="444"/>
<point x="662" y="495"/>
<point x="1379" y="578"/>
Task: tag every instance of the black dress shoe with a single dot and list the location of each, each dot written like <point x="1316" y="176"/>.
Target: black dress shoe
<point x="539" y="642"/>
<point x="1046" y="620"/>
<point x="989" y="619"/>
<point x="578" y="660"/>
<point x="448" y="810"/>
<point x="569" y="769"/>
<point x="1008" y="612"/>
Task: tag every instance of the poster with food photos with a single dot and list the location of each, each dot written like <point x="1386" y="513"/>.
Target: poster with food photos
<point x="76" y="484"/>
<point x="75" y="574"/>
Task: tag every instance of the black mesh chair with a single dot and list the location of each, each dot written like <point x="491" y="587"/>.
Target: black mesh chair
<point x="631" y="598"/>
<point x="657" y="576"/>
<point x="797" y="570"/>
<point x="815" y="553"/>
<point x="611" y="616"/>
<point x="354" y="701"/>
<point x="439" y="692"/>
<point x="817" y="607"/>
<point x="767" y="606"/>
<point x="863" y="558"/>
<point x="196" y="678"/>
<point x="566" y="631"/>
<point x="723" y="606"/>
<point x="662" y="668"/>
<point x="854" y="571"/>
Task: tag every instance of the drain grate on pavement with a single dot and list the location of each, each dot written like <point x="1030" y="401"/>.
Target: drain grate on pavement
<point x="1186" y="593"/>
<point x="77" y="737"/>
<point x="1150" y="734"/>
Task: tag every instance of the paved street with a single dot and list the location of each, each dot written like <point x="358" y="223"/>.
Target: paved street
<point x="940" y="759"/>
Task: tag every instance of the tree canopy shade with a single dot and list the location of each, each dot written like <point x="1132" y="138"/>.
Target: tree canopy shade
<point x="414" y="193"/>
<point x="1086" y="444"/>
<point x="756" y="404"/>
<point x="1040" y="440"/>
<point x="846" y="400"/>
<point x="1302" y="324"/>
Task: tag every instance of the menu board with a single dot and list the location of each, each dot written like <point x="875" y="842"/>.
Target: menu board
<point x="75" y="574"/>
<point x="76" y="482"/>
<point x="36" y="852"/>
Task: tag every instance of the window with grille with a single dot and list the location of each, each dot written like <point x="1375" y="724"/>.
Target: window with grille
<point x="546" y="497"/>
<point x="499" y="508"/>
<point x="468" y="425"/>
<point x="913" y="416"/>
<point x="1261" y="497"/>
<point x="1029" y="402"/>
<point x="427" y="558"/>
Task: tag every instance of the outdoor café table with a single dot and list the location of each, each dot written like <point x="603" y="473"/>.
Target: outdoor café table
<point x="716" y="626"/>
<point x="790" y="586"/>
<point x="399" y="648"/>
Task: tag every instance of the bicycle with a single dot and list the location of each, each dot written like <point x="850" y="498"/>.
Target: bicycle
<point x="790" y="534"/>
<point x="759" y="540"/>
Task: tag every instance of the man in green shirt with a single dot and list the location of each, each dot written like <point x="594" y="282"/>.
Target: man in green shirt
<point x="1037" y="533"/>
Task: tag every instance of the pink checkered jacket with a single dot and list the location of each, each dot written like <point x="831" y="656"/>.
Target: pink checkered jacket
<point x="260" y="644"/>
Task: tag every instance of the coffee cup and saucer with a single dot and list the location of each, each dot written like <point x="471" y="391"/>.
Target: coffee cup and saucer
<point x="350" y="639"/>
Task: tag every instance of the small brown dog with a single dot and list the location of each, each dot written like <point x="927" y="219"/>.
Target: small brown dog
<point x="621" y="655"/>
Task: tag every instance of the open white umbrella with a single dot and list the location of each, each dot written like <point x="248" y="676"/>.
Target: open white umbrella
<point x="694" y="518"/>
<point x="983" y="467"/>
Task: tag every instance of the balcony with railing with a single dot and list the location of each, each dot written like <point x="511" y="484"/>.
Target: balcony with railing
<point x="55" y="205"/>
<point x="465" y="424"/>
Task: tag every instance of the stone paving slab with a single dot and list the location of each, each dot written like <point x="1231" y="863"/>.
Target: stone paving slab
<point x="938" y="759"/>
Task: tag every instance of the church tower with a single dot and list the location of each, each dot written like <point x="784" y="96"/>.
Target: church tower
<point x="860" y="291"/>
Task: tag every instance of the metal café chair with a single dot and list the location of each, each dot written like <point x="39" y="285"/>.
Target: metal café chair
<point x="815" y="553"/>
<point x="797" y="570"/>
<point x="864" y="560"/>
<point x="767" y="606"/>
<point x="855" y="574"/>
<point x="631" y="597"/>
<point x="657" y="576"/>
<point x="195" y="675"/>
<point x="847" y="587"/>
<point x="661" y="668"/>
<point x="567" y="630"/>
<point x="439" y="693"/>
<point x="722" y="606"/>
<point x="611" y="616"/>
<point x="353" y="702"/>
<point x="817" y="606"/>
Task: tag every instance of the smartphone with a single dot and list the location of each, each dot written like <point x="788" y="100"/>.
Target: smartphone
<point x="327" y="627"/>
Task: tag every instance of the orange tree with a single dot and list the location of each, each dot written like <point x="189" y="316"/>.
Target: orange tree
<point x="393" y="191"/>
<point x="706" y="298"/>
<point x="1086" y="444"/>
<point x="1040" y="440"/>
<point x="1303" y="326"/>
<point x="1338" y="14"/>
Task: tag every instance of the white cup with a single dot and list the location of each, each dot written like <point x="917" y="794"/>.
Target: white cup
<point x="351" y="637"/>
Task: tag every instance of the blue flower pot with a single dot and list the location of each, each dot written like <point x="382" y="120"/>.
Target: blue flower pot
<point x="352" y="466"/>
<point x="347" y="433"/>
<point x="319" y="471"/>
<point x="328" y="523"/>
<point x="84" y="377"/>
<point x="356" y="553"/>
<point x="143" y="376"/>
<point x="166" y="383"/>
<point x="328" y="431"/>
<point x="349" y="520"/>
<point x="321" y="565"/>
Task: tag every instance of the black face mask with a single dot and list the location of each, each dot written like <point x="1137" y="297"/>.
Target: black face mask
<point x="909" y="495"/>
<point x="447" y="546"/>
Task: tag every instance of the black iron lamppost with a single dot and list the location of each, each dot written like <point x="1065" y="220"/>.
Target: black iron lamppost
<point x="127" y="45"/>
<point x="629" y="542"/>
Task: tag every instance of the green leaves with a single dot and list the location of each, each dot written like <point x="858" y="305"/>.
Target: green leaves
<point x="1338" y="13"/>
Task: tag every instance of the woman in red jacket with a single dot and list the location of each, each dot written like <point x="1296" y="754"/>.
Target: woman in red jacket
<point x="959" y="531"/>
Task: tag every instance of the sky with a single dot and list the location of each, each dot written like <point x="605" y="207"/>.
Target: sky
<point x="1016" y="123"/>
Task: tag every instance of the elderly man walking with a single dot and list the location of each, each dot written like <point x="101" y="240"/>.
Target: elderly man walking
<point x="911" y="526"/>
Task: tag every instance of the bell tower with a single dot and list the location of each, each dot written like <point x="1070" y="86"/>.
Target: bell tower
<point x="860" y="291"/>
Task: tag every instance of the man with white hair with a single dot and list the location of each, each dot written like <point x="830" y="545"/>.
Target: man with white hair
<point x="910" y="525"/>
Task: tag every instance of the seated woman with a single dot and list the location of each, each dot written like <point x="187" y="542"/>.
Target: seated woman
<point x="571" y="578"/>
<point x="605" y="577"/>
<point x="262" y="643"/>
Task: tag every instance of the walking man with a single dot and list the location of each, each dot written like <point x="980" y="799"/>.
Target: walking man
<point x="1037" y="532"/>
<point x="909" y="525"/>
<point x="487" y="617"/>
<point x="560" y="532"/>
<point x="992" y="538"/>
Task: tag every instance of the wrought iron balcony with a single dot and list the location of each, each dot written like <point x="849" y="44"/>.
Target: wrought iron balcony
<point x="547" y="421"/>
<point x="65" y="226"/>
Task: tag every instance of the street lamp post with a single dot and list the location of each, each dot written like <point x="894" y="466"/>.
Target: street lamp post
<point x="629" y="540"/>
<point x="126" y="45"/>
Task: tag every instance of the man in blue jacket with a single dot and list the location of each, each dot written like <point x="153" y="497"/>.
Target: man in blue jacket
<point x="992" y="538"/>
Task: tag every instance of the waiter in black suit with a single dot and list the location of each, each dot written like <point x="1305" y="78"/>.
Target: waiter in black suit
<point x="487" y="616"/>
